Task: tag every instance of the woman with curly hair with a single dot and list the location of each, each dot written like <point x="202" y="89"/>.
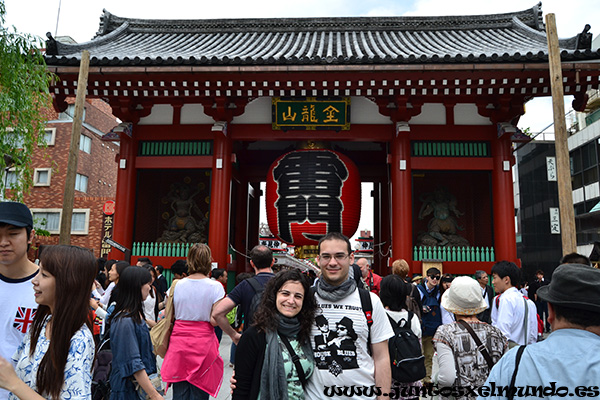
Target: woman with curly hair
<point x="54" y="361"/>
<point x="266" y="354"/>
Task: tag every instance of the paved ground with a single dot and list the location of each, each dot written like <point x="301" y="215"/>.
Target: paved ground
<point x="224" y="392"/>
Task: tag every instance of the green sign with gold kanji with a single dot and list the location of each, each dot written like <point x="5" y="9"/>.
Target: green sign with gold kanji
<point x="311" y="113"/>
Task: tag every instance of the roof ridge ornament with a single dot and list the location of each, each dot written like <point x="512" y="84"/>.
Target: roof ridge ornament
<point x="104" y="22"/>
<point x="584" y="39"/>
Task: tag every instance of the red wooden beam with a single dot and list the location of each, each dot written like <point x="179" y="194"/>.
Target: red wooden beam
<point x="173" y="162"/>
<point x="363" y="133"/>
<point x="452" y="163"/>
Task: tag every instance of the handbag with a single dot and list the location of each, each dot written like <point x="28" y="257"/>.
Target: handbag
<point x="160" y="334"/>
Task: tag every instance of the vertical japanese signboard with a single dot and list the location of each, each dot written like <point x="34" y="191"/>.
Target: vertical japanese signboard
<point x="311" y="113"/>
<point x="554" y="221"/>
<point x="551" y="168"/>
<point x="107" y="226"/>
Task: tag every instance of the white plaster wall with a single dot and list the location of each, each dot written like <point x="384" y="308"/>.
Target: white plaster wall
<point x="466" y="114"/>
<point x="194" y="114"/>
<point x="258" y="111"/>
<point x="364" y="111"/>
<point x="431" y="114"/>
<point x="161" y="114"/>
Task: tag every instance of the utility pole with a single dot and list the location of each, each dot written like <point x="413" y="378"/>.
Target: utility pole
<point x="563" y="165"/>
<point x="69" y="196"/>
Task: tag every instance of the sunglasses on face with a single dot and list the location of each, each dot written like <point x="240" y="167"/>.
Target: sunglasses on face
<point x="436" y="277"/>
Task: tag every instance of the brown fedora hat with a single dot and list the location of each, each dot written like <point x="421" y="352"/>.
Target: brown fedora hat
<point x="575" y="286"/>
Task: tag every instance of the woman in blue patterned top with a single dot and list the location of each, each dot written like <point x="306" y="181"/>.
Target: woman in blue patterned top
<point x="55" y="359"/>
<point x="133" y="359"/>
<point x="265" y="366"/>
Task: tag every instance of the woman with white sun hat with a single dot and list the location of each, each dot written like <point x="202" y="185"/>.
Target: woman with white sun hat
<point x="466" y="349"/>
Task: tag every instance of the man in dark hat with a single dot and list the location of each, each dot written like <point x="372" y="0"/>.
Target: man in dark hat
<point x="17" y="301"/>
<point x="568" y="359"/>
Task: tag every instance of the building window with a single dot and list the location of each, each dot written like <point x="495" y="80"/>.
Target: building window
<point x="49" y="136"/>
<point x="41" y="176"/>
<point x="68" y="114"/>
<point x="11" y="178"/>
<point x="85" y="144"/>
<point x="12" y="139"/>
<point x="49" y="219"/>
<point x="81" y="183"/>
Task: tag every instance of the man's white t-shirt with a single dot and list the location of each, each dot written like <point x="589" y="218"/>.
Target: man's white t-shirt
<point x="341" y="350"/>
<point x="17" y="309"/>
<point x="509" y="316"/>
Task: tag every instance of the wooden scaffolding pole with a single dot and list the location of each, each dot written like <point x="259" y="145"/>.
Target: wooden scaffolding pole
<point x="69" y="196"/>
<point x="565" y="191"/>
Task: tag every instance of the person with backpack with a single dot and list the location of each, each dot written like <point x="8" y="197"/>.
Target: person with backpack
<point x="466" y="350"/>
<point x="406" y="355"/>
<point x="432" y="314"/>
<point x="133" y="360"/>
<point x="247" y="294"/>
<point x="275" y="358"/>
<point x="353" y="351"/>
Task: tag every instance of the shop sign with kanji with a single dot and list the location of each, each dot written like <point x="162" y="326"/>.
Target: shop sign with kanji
<point x="311" y="113"/>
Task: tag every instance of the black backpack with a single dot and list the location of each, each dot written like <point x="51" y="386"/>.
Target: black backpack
<point x="408" y="362"/>
<point x="101" y="372"/>
<point x="258" y="292"/>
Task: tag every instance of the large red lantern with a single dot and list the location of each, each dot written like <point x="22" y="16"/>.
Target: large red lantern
<point x="310" y="193"/>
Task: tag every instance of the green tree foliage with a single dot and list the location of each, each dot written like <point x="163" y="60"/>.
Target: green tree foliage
<point x="24" y="81"/>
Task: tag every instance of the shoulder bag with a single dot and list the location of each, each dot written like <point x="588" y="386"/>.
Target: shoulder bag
<point x="480" y="345"/>
<point x="161" y="332"/>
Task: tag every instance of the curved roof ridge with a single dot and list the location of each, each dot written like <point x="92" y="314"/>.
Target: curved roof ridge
<point x="53" y="45"/>
<point x="531" y="17"/>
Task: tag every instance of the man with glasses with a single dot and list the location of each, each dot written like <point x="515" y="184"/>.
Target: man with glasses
<point x="431" y="316"/>
<point x="354" y="355"/>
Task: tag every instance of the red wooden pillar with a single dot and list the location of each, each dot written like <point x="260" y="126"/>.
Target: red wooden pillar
<point x="401" y="196"/>
<point x="125" y="197"/>
<point x="220" y="202"/>
<point x="505" y="243"/>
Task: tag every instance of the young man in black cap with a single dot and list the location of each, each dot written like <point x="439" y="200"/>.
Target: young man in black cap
<point x="566" y="363"/>
<point x="17" y="300"/>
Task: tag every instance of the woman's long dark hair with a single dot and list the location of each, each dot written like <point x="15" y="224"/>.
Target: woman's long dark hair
<point x="74" y="269"/>
<point x="120" y="266"/>
<point x="266" y="315"/>
<point x="129" y="296"/>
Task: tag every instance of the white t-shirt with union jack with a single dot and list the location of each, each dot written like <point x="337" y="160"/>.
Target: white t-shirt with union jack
<point x="17" y="309"/>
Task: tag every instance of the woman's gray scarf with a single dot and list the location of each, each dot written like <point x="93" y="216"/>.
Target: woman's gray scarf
<point x="335" y="293"/>
<point x="273" y="380"/>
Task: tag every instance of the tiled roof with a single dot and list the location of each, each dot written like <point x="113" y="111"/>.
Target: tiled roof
<point x="510" y="37"/>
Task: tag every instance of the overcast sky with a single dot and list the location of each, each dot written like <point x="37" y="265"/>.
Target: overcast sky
<point x="80" y="19"/>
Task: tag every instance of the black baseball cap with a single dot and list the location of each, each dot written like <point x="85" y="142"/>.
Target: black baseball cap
<point x="16" y="214"/>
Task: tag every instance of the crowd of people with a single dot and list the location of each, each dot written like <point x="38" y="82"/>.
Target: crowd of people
<point x="349" y="333"/>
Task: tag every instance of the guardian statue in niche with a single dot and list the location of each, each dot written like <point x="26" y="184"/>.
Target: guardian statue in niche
<point x="182" y="226"/>
<point x="442" y="229"/>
